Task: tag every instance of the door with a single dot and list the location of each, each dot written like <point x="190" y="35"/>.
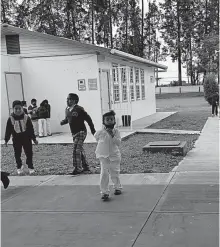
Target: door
<point x="105" y="91"/>
<point x="14" y="88"/>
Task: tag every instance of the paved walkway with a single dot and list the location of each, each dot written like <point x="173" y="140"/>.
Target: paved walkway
<point x="178" y="209"/>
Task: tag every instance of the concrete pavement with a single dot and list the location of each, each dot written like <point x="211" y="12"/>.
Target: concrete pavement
<point x="179" y="209"/>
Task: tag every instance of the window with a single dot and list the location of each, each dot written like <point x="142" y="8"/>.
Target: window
<point x="116" y="88"/>
<point x="131" y="83"/>
<point x="124" y="84"/>
<point x="142" y="85"/>
<point x="116" y="93"/>
<point x="137" y="83"/>
<point x="115" y="73"/>
<point x="12" y="44"/>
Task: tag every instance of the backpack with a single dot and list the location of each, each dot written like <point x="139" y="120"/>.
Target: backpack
<point x="20" y="126"/>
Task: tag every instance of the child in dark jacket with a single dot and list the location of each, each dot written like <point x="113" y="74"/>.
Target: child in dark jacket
<point x="19" y="125"/>
<point x="76" y="116"/>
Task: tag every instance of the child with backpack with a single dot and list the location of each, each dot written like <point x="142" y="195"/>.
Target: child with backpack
<point x="19" y="125"/>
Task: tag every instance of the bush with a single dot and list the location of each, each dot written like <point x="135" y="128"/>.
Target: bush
<point x="210" y="87"/>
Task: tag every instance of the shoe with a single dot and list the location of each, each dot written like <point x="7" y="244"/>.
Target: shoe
<point x="86" y="170"/>
<point x="117" y="192"/>
<point x="31" y="171"/>
<point x="5" y="179"/>
<point x="50" y="135"/>
<point x="75" y="172"/>
<point x="41" y="136"/>
<point x="20" y="170"/>
<point x="105" y="197"/>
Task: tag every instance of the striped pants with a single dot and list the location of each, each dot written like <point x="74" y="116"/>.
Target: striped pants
<point x="79" y="156"/>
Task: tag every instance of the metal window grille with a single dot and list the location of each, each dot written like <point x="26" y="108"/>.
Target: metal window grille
<point x="12" y="44"/>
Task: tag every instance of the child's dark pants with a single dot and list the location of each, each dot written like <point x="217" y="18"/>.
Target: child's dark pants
<point x="215" y="109"/>
<point x="18" y="143"/>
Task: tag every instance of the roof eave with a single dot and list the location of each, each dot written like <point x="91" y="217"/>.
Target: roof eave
<point x="138" y="59"/>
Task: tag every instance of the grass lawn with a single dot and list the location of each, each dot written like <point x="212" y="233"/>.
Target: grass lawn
<point x="192" y="113"/>
<point x="183" y="120"/>
<point x="57" y="159"/>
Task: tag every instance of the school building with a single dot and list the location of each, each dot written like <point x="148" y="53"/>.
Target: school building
<point x="42" y="66"/>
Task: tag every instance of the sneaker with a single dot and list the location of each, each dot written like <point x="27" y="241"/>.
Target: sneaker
<point x="5" y="179"/>
<point x="117" y="192"/>
<point x="86" y="170"/>
<point x="20" y="170"/>
<point x="31" y="171"/>
<point x="75" y="172"/>
<point x="105" y="197"/>
<point x="50" y="135"/>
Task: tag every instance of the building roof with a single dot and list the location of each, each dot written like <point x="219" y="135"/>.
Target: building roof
<point x="8" y="29"/>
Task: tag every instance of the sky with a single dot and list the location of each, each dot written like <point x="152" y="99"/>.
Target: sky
<point x="172" y="71"/>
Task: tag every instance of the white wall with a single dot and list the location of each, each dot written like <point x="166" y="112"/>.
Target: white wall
<point x="53" y="78"/>
<point x="8" y="64"/>
<point x="139" y="108"/>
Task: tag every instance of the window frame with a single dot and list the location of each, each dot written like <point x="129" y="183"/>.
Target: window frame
<point x="115" y="81"/>
<point x="143" y="93"/>
<point x="132" y="87"/>
<point x="137" y="84"/>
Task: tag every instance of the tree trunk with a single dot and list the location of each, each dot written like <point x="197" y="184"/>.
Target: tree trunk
<point x="126" y="27"/>
<point x="191" y="64"/>
<point x="179" y="47"/>
<point x="149" y="41"/>
<point x="3" y="12"/>
<point x="110" y="23"/>
<point x="142" y="31"/>
<point x="93" y="22"/>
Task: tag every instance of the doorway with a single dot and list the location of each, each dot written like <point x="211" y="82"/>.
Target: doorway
<point x="14" y="87"/>
<point x="105" y="90"/>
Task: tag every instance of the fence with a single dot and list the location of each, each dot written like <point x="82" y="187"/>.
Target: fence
<point x="179" y="89"/>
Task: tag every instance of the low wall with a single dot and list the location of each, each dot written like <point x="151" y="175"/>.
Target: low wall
<point x="179" y="89"/>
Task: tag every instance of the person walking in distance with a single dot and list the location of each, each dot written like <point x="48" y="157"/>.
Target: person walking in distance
<point x="215" y="104"/>
<point x="108" y="153"/>
<point x="19" y="125"/>
<point x="76" y="116"/>
<point x="32" y="110"/>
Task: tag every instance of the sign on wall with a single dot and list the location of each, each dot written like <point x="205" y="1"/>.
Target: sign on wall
<point x="151" y="79"/>
<point x="81" y="85"/>
<point x="92" y="84"/>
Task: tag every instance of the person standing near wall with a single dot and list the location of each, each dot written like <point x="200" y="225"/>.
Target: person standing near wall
<point x="24" y="105"/>
<point x="42" y="116"/>
<point x="75" y="116"/>
<point x="47" y="105"/>
<point x="32" y="110"/>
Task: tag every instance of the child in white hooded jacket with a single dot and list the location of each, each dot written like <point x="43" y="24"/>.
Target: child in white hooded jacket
<point x="108" y="153"/>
